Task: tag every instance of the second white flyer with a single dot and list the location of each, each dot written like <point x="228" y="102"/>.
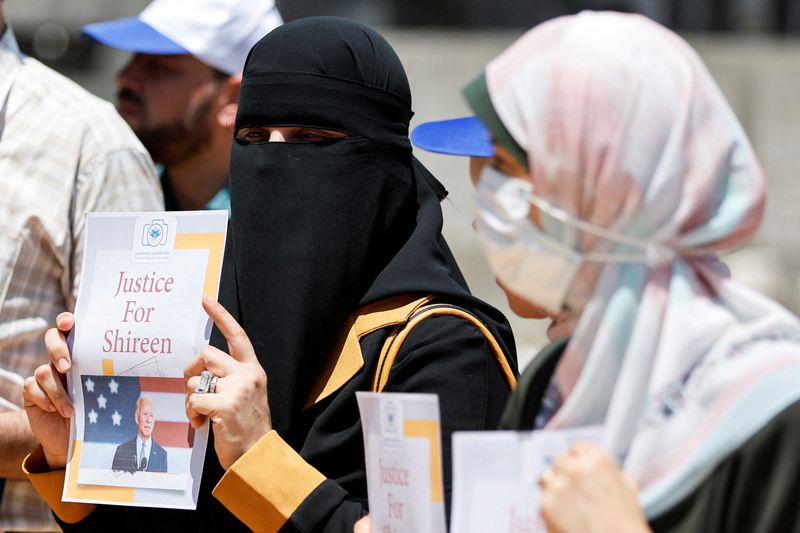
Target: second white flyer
<point x="402" y="445"/>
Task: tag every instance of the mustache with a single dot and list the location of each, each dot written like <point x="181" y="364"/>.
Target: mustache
<point x="130" y="96"/>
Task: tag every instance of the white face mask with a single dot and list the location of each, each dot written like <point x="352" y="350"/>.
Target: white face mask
<point x="531" y="263"/>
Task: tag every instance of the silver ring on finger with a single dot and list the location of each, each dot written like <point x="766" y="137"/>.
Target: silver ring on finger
<point x="204" y="385"/>
<point x="212" y="384"/>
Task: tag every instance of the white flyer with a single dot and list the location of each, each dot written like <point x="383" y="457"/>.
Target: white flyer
<point x="496" y="474"/>
<point x="402" y="441"/>
<point x="138" y="321"/>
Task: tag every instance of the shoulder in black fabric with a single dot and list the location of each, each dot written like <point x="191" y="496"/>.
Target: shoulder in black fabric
<point x="319" y="229"/>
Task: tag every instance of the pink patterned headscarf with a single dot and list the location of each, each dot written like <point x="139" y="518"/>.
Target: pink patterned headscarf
<point x="625" y="128"/>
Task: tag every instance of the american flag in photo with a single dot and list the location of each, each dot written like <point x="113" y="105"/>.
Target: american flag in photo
<point x="109" y="404"/>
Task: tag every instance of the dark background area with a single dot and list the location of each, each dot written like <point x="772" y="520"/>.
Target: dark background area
<point x="782" y="16"/>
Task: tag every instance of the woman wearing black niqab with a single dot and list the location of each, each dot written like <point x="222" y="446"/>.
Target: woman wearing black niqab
<point x="335" y="238"/>
<point x="323" y="229"/>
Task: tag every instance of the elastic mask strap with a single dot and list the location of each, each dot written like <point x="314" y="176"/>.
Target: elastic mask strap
<point x="655" y="254"/>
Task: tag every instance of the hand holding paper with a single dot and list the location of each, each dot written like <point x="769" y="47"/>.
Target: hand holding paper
<point x="497" y="477"/>
<point x="47" y="403"/>
<point x="586" y="491"/>
<point x="238" y="409"/>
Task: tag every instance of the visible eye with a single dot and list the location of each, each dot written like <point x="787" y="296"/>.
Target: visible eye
<point x="290" y="134"/>
<point x="252" y="135"/>
<point x="502" y="165"/>
<point x="506" y="163"/>
<point x="316" y="135"/>
<point x="159" y="67"/>
<point x="310" y="137"/>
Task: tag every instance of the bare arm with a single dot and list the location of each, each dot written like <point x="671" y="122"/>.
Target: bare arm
<point x="16" y="441"/>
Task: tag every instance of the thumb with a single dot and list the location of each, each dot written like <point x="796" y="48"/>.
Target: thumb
<point x="363" y="526"/>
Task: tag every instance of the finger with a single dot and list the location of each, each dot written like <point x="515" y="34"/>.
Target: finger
<point x="205" y="404"/>
<point x="238" y="342"/>
<point x="49" y="380"/>
<point x="191" y="385"/>
<point x="585" y="448"/>
<point x="213" y="359"/>
<point x="33" y="395"/>
<point x="546" y="478"/>
<point x="591" y="456"/>
<point x="56" y="343"/>
<point x="199" y="406"/>
<point x="562" y="464"/>
<point x="195" y="419"/>
<point x="634" y="486"/>
<point x="548" y="510"/>
<point x="363" y="525"/>
<point x="192" y="382"/>
<point x="65" y="321"/>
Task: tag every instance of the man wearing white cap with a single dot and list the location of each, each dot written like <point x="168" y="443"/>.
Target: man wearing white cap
<point x="179" y="92"/>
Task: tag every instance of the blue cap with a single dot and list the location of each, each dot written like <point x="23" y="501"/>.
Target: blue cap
<point x="132" y="35"/>
<point x="459" y="136"/>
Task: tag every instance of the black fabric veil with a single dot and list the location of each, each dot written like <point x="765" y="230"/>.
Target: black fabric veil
<point x="321" y="229"/>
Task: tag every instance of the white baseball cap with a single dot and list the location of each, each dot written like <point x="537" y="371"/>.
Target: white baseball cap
<point x="218" y="32"/>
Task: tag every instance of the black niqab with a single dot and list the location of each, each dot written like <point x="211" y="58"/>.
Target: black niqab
<point x="321" y="229"/>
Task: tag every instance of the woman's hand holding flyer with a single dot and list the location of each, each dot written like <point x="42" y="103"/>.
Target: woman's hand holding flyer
<point x="586" y="491"/>
<point x="47" y="404"/>
<point x="238" y="408"/>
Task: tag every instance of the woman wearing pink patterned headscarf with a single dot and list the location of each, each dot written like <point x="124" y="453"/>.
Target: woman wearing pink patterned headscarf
<point x="615" y="175"/>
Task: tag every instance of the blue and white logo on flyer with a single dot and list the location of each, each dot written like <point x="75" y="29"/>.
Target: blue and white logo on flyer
<point x="391" y="421"/>
<point x="155" y="233"/>
<point x="154" y="238"/>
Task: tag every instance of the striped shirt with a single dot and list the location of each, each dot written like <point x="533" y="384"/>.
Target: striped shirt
<point x="63" y="153"/>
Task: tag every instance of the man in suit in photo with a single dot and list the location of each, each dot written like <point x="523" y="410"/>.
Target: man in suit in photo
<point x="142" y="453"/>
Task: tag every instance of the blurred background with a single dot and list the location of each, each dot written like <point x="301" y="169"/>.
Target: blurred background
<point x="750" y="46"/>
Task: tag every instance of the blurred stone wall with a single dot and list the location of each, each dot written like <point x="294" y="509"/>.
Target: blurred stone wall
<point x="759" y="75"/>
